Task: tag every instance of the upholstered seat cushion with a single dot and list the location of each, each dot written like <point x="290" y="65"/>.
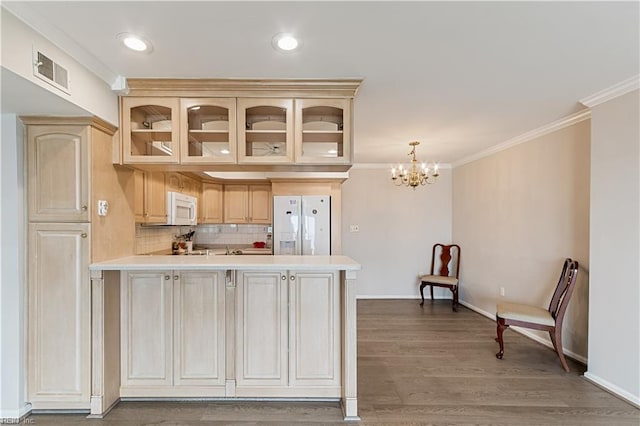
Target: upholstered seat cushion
<point x="518" y="312"/>
<point x="438" y="279"/>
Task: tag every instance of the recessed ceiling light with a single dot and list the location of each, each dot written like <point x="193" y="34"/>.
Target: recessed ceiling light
<point x="134" y="42"/>
<point x="285" y="42"/>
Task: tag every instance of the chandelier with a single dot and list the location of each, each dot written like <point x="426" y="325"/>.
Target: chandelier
<point x="414" y="175"/>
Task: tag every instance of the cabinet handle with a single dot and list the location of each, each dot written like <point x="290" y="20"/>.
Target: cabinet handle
<point x="167" y="277"/>
<point x="176" y="277"/>
<point x="292" y="277"/>
<point x="83" y="235"/>
<point x="284" y="277"/>
<point x="84" y="208"/>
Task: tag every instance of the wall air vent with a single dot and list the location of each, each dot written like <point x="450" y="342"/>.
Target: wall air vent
<point x="50" y="71"/>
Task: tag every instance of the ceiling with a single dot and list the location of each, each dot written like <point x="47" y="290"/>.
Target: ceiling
<point x="458" y="76"/>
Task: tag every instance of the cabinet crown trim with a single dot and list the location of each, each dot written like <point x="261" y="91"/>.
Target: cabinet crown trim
<point x="317" y="88"/>
<point x="92" y="121"/>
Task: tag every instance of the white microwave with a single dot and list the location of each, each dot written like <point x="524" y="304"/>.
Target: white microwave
<point x="181" y="209"/>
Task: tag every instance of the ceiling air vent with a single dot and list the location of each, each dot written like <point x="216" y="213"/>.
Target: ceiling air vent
<point x="51" y="72"/>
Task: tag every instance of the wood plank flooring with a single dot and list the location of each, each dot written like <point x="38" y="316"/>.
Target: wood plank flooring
<point x="417" y="366"/>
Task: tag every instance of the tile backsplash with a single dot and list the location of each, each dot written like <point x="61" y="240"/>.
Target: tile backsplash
<point x="151" y="239"/>
<point x="230" y="234"/>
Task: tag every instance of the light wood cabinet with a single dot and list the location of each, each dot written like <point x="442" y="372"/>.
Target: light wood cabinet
<point x="314" y="329"/>
<point x="288" y="331"/>
<point x="58" y="167"/>
<point x="208" y="131"/>
<point x="172" y="333"/>
<point x="247" y="204"/>
<point x="150" y="205"/>
<point x="146" y="329"/>
<point x="180" y="183"/>
<point x="262" y="324"/>
<point x="150" y="130"/>
<point x="62" y="155"/>
<point x="323" y="131"/>
<point x="59" y="322"/>
<point x="265" y="131"/>
<point x="211" y="205"/>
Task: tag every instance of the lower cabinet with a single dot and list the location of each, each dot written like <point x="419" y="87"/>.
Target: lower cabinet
<point x="172" y="333"/>
<point x="59" y="316"/>
<point x="288" y="333"/>
<point x="192" y="333"/>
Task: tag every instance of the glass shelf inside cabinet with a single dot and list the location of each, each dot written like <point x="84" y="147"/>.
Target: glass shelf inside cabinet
<point x="209" y="132"/>
<point x="322" y="132"/>
<point x="266" y="131"/>
<point x="151" y="131"/>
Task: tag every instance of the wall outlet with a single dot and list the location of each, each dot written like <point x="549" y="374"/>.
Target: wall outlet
<point x="354" y="228"/>
<point x="501" y="291"/>
<point x="103" y="207"/>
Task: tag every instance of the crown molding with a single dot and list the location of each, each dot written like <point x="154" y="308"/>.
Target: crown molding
<point x="528" y="136"/>
<point x="230" y="87"/>
<point x="618" y="89"/>
<point x="385" y="166"/>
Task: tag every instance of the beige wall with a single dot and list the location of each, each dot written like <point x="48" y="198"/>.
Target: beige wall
<point x="516" y="215"/>
<point x="113" y="235"/>
<point x="398" y="227"/>
<point x="614" y="309"/>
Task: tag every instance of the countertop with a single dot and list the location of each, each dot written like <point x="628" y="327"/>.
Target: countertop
<point x="243" y="262"/>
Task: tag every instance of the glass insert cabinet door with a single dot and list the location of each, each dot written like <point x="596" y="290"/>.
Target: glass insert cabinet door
<point x="323" y="131"/>
<point x="265" y="130"/>
<point x="150" y="130"/>
<point x="208" y="130"/>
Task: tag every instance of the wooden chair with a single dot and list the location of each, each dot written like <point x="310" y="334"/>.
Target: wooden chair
<point x="443" y="278"/>
<point x="539" y="318"/>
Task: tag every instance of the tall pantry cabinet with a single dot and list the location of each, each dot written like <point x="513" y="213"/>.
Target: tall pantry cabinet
<point x="65" y="157"/>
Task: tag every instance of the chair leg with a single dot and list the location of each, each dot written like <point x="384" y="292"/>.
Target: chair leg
<point x="431" y="292"/>
<point x="556" y="339"/>
<point x="422" y="285"/>
<point x="454" y="302"/>
<point x="501" y="327"/>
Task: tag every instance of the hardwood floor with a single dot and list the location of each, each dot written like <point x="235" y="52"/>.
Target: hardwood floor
<point x="417" y="366"/>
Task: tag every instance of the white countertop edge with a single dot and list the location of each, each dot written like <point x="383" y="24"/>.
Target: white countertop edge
<point x="242" y="262"/>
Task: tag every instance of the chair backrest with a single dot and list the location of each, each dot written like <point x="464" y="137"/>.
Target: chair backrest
<point x="448" y="254"/>
<point x="564" y="289"/>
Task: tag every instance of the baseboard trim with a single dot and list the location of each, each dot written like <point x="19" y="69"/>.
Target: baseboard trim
<point x="15" y="416"/>
<point x="397" y="296"/>
<point x="613" y="389"/>
<point x="527" y="333"/>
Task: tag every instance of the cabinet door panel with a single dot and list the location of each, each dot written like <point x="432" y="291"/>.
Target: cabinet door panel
<point x="146" y="328"/>
<point x="155" y="197"/>
<point x="199" y="329"/>
<point x="260" y="203"/>
<point x="262" y="329"/>
<point x="212" y="202"/>
<point x="314" y="329"/>
<point x="59" y="315"/>
<point x="58" y="173"/>
<point x="236" y="204"/>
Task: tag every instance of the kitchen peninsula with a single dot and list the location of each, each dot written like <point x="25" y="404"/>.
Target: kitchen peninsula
<point x="224" y="327"/>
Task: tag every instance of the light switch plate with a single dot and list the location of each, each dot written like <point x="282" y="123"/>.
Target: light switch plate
<point x="354" y="228"/>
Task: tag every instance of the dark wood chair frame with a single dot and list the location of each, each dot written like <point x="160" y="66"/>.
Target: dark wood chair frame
<point x="445" y="258"/>
<point x="557" y="308"/>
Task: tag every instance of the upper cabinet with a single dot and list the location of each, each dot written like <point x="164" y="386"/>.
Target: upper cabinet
<point x="238" y="124"/>
<point x="150" y="130"/>
<point x="208" y="130"/>
<point x="58" y="167"/>
<point x="265" y="131"/>
<point x="323" y="131"/>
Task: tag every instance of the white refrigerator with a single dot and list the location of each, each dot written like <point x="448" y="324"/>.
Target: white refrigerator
<point x="302" y="224"/>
